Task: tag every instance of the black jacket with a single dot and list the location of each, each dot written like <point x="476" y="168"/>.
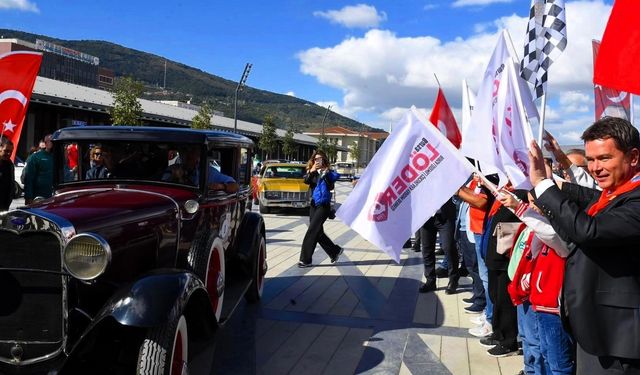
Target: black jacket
<point x="7" y="179"/>
<point x="312" y="179"/>
<point x="601" y="290"/>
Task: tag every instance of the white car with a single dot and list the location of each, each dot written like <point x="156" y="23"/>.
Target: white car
<point x="18" y="186"/>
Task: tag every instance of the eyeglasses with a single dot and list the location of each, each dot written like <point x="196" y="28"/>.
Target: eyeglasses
<point x="97" y="154"/>
<point x="318" y="158"/>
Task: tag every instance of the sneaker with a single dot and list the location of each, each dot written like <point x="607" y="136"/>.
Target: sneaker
<point x="474" y="309"/>
<point x="468" y="301"/>
<point x="302" y="264"/>
<point x="478" y="320"/>
<point x="500" y="351"/>
<point x="489" y="342"/>
<point x="335" y="257"/>
<point x="482" y="331"/>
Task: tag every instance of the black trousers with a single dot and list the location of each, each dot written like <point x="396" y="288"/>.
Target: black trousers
<point x="505" y="317"/>
<point x="588" y="364"/>
<point x="315" y="234"/>
<point x="445" y="226"/>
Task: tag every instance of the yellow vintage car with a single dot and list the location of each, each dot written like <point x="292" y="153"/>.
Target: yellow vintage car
<point x="282" y="185"/>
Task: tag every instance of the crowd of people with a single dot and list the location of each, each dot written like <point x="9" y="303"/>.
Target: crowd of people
<point x="556" y="270"/>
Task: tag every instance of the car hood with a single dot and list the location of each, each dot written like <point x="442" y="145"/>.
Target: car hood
<point x="100" y="206"/>
<point x="284" y="184"/>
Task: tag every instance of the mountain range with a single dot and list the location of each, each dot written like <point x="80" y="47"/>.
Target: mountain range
<point x="185" y="83"/>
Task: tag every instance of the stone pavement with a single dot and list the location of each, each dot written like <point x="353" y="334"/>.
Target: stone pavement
<point x="362" y="315"/>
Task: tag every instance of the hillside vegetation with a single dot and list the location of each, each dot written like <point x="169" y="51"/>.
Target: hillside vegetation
<point x="185" y="82"/>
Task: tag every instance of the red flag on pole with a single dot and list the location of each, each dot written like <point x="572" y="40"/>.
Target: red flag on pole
<point x="610" y="102"/>
<point x="442" y="118"/>
<point x="617" y="63"/>
<point x="18" y="71"/>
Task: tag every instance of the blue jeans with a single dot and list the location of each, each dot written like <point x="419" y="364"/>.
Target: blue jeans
<point x="484" y="276"/>
<point x="555" y="343"/>
<point x="534" y="362"/>
<point x="469" y="254"/>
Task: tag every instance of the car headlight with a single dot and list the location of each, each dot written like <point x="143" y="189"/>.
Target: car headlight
<point x="86" y="256"/>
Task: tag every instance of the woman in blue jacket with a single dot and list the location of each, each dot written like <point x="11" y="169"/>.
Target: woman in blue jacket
<point x="320" y="179"/>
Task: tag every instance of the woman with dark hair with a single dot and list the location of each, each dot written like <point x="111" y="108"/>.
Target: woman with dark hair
<point x="320" y="179"/>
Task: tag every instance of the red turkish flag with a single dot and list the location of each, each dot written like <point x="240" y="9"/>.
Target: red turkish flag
<point x="617" y="63"/>
<point x="442" y="118"/>
<point x="610" y="102"/>
<point x="18" y="71"/>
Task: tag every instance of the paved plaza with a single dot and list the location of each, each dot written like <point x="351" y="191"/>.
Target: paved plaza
<point x="362" y="315"/>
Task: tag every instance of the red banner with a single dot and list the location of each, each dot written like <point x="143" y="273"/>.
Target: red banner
<point x="18" y="71"/>
<point x="617" y="63"/>
<point x="442" y="118"/>
<point x="610" y="102"/>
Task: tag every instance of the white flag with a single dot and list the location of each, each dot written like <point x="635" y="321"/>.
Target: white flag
<point x="514" y="131"/>
<point x="468" y="102"/>
<point x="409" y="178"/>
<point x="480" y="138"/>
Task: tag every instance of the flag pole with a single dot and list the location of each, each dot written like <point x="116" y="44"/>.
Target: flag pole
<point x="437" y="81"/>
<point x="543" y="107"/>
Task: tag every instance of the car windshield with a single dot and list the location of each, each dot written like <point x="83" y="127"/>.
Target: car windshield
<point x="278" y="171"/>
<point x="141" y="161"/>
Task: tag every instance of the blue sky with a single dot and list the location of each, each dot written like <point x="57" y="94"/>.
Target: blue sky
<point x="370" y="59"/>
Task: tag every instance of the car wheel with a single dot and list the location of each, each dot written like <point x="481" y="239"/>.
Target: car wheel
<point x="209" y="265"/>
<point x="165" y="350"/>
<point x="254" y="293"/>
<point x="264" y="209"/>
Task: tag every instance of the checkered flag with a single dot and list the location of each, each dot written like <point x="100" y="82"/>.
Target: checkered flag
<point x="545" y="40"/>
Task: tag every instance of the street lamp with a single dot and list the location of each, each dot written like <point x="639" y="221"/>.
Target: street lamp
<point x="324" y="118"/>
<point x="241" y="82"/>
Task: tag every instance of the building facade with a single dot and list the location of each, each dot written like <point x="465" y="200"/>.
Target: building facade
<point x="367" y="143"/>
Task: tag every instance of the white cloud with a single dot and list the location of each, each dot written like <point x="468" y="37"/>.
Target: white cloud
<point x="354" y="16"/>
<point x="576" y="101"/>
<point x="24" y="5"/>
<point x="381" y="71"/>
<point x="290" y="93"/>
<point x="466" y="3"/>
<point x="429" y="6"/>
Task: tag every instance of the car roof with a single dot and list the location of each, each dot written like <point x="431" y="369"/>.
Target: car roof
<point x="148" y="133"/>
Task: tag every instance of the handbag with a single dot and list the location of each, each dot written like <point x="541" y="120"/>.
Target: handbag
<point x="505" y="233"/>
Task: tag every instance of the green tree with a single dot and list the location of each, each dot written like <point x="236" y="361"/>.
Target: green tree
<point x="332" y="151"/>
<point x="126" y="109"/>
<point x="202" y="120"/>
<point x="323" y="143"/>
<point x="354" y="151"/>
<point x="288" y="143"/>
<point x="268" y="140"/>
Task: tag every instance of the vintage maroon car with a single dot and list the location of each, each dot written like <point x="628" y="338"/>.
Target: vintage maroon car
<point x="142" y="252"/>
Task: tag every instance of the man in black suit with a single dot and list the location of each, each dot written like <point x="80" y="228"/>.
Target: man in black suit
<point x="601" y="290"/>
<point x="443" y="223"/>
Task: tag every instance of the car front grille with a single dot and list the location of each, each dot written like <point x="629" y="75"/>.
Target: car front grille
<point x="31" y="312"/>
<point x="287" y="196"/>
<point x="293" y="196"/>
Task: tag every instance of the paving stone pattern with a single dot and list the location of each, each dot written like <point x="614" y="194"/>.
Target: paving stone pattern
<point x="362" y="315"/>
